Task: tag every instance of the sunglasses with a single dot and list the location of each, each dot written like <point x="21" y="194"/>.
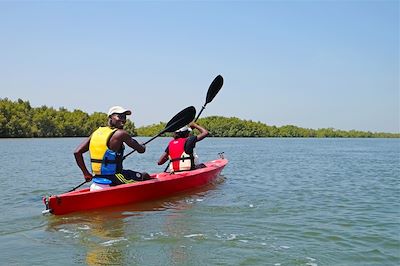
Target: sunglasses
<point x="121" y="116"/>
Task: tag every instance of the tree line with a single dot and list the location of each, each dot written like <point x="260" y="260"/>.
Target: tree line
<point x="19" y="119"/>
<point x="219" y="126"/>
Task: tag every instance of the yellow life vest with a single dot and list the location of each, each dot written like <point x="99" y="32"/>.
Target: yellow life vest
<point x="104" y="161"/>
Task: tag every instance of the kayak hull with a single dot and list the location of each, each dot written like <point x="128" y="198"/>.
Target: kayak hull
<point x="162" y="185"/>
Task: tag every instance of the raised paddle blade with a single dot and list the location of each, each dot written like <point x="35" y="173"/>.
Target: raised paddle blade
<point x="214" y="88"/>
<point x="181" y="119"/>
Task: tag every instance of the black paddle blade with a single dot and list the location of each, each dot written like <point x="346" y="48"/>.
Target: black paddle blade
<point x="181" y="119"/>
<point x="214" y="88"/>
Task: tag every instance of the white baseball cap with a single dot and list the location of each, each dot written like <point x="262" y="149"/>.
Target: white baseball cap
<point x="183" y="129"/>
<point x="118" y="110"/>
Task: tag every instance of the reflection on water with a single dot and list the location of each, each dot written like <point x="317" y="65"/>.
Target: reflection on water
<point x="100" y="248"/>
<point x="108" y="234"/>
<point x="96" y="233"/>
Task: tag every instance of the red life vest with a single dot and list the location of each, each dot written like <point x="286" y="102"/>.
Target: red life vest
<point x="180" y="160"/>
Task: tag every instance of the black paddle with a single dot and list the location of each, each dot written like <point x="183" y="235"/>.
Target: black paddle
<point x="81" y="184"/>
<point x="214" y="88"/>
<point x="181" y="119"/>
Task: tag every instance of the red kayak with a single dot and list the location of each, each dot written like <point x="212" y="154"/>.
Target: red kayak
<point x="162" y="185"/>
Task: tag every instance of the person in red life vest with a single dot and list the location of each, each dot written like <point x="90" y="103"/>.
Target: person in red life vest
<point x="106" y="148"/>
<point x="180" y="150"/>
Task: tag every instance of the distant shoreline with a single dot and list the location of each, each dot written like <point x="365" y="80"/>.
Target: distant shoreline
<point x="18" y="119"/>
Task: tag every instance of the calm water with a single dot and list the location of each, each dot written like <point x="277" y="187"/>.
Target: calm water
<point x="279" y="202"/>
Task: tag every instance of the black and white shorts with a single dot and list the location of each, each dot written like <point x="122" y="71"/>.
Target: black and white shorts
<point x="126" y="177"/>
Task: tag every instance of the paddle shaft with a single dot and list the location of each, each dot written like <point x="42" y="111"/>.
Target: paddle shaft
<point x="81" y="184"/>
<point x="179" y="120"/>
<point x="202" y="108"/>
<point x="143" y="144"/>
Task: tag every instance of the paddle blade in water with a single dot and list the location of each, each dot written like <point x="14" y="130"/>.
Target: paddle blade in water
<point x="214" y="88"/>
<point x="181" y="119"/>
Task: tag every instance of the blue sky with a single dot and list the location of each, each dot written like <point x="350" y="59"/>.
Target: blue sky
<point x="312" y="64"/>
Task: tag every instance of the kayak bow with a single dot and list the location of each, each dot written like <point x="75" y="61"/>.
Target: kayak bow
<point x="161" y="185"/>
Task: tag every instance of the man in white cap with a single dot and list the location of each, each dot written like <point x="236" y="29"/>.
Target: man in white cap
<point x="106" y="148"/>
<point x="180" y="150"/>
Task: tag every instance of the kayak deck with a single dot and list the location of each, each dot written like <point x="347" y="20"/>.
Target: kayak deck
<point x="162" y="185"/>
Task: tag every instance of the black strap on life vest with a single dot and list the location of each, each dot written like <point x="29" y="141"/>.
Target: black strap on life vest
<point x="105" y="161"/>
<point x="180" y="159"/>
<point x="192" y="166"/>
